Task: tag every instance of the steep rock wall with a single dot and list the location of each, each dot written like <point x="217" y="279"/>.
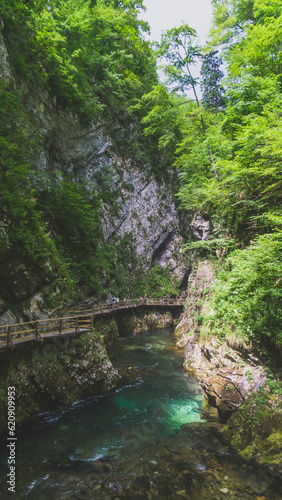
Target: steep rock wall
<point x="227" y="375"/>
<point x="143" y="207"/>
<point x="234" y="379"/>
<point x="54" y="375"/>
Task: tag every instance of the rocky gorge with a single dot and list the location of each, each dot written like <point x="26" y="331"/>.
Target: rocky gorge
<point x="131" y="243"/>
<point x="135" y="207"/>
<point x="60" y="371"/>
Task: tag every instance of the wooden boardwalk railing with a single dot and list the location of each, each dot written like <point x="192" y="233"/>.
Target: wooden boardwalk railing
<point x="78" y="321"/>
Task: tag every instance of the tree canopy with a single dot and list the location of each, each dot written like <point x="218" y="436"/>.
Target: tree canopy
<point x="234" y="131"/>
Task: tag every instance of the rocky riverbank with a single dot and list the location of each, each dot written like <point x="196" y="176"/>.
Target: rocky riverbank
<point x="55" y="375"/>
<point x="234" y="378"/>
<point x="59" y="372"/>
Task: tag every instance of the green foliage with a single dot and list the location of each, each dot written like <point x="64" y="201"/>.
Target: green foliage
<point x="255" y="429"/>
<point x="242" y="144"/>
<point x="83" y="340"/>
<point x="87" y="55"/>
<point x="156" y="282"/>
<point x="180" y="51"/>
<point x="212" y="90"/>
<point x="74" y="223"/>
<point x="273" y="383"/>
<point x="166" y="120"/>
<point x="246" y="145"/>
<point x="248" y="292"/>
<point x="178" y="46"/>
<point x="23" y="231"/>
<point x="210" y="244"/>
<point x="199" y="319"/>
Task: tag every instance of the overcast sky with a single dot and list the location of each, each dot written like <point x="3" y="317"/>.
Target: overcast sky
<point x="166" y="14"/>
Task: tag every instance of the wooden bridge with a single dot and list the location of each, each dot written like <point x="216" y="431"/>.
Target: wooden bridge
<point x="80" y="321"/>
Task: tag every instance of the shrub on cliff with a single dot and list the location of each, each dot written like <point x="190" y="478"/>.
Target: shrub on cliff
<point x="247" y="296"/>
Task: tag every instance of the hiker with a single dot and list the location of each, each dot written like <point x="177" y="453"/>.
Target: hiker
<point x="113" y="301"/>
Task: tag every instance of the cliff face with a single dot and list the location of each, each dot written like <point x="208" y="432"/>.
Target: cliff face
<point x="234" y="378"/>
<point x="227" y="375"/>
<point x="55" y="375"/>
<point x="143" y="207"/>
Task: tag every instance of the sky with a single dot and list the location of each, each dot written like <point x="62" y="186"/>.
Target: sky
<point x="166" y="14"/>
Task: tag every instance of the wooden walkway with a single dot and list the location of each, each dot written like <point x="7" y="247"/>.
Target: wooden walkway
<point x="80" y="321"/>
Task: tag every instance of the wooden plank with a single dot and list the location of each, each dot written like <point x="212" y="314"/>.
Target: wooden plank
<point x="69" y="330"/>
<point x="65" y="332"/>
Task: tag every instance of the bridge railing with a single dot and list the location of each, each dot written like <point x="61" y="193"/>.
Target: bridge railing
<point x="78" y="321"/>
<point x="11" y="335"/>
<point x="128" y="303"/>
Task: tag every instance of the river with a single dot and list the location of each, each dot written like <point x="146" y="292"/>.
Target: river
<point x="144" y="440"/>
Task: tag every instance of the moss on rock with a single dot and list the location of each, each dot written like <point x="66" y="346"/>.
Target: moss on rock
<point x="255" y="429"/>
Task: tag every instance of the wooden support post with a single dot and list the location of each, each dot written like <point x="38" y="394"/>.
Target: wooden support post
<point x="37" y="334"/>
<point x="36" y="330"/>
<point x="76" y="326"/>
<point x="60" y="326"/>
<point x="9" y="339"/>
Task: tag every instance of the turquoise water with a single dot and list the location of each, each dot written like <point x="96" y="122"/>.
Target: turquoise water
<point x="145" y="440"/>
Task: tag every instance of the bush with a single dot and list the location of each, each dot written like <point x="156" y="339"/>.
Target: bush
<point x="248" y="292"/>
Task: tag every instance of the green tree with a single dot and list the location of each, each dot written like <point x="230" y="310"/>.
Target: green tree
<point x="179" y="48"/>
<point x="246" y="143"/>
<point x="212" y="90"/>
<point x="248" y="293"/>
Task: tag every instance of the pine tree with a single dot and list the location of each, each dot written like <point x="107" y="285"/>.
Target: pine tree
<point x="212" y="91"/>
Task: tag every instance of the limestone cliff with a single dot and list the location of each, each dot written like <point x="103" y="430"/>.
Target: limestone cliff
<point x="143" y="207"/>
<point x="227" y="375"/>
<point x="233" y="376"/>
<point x="55" y="375"/>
